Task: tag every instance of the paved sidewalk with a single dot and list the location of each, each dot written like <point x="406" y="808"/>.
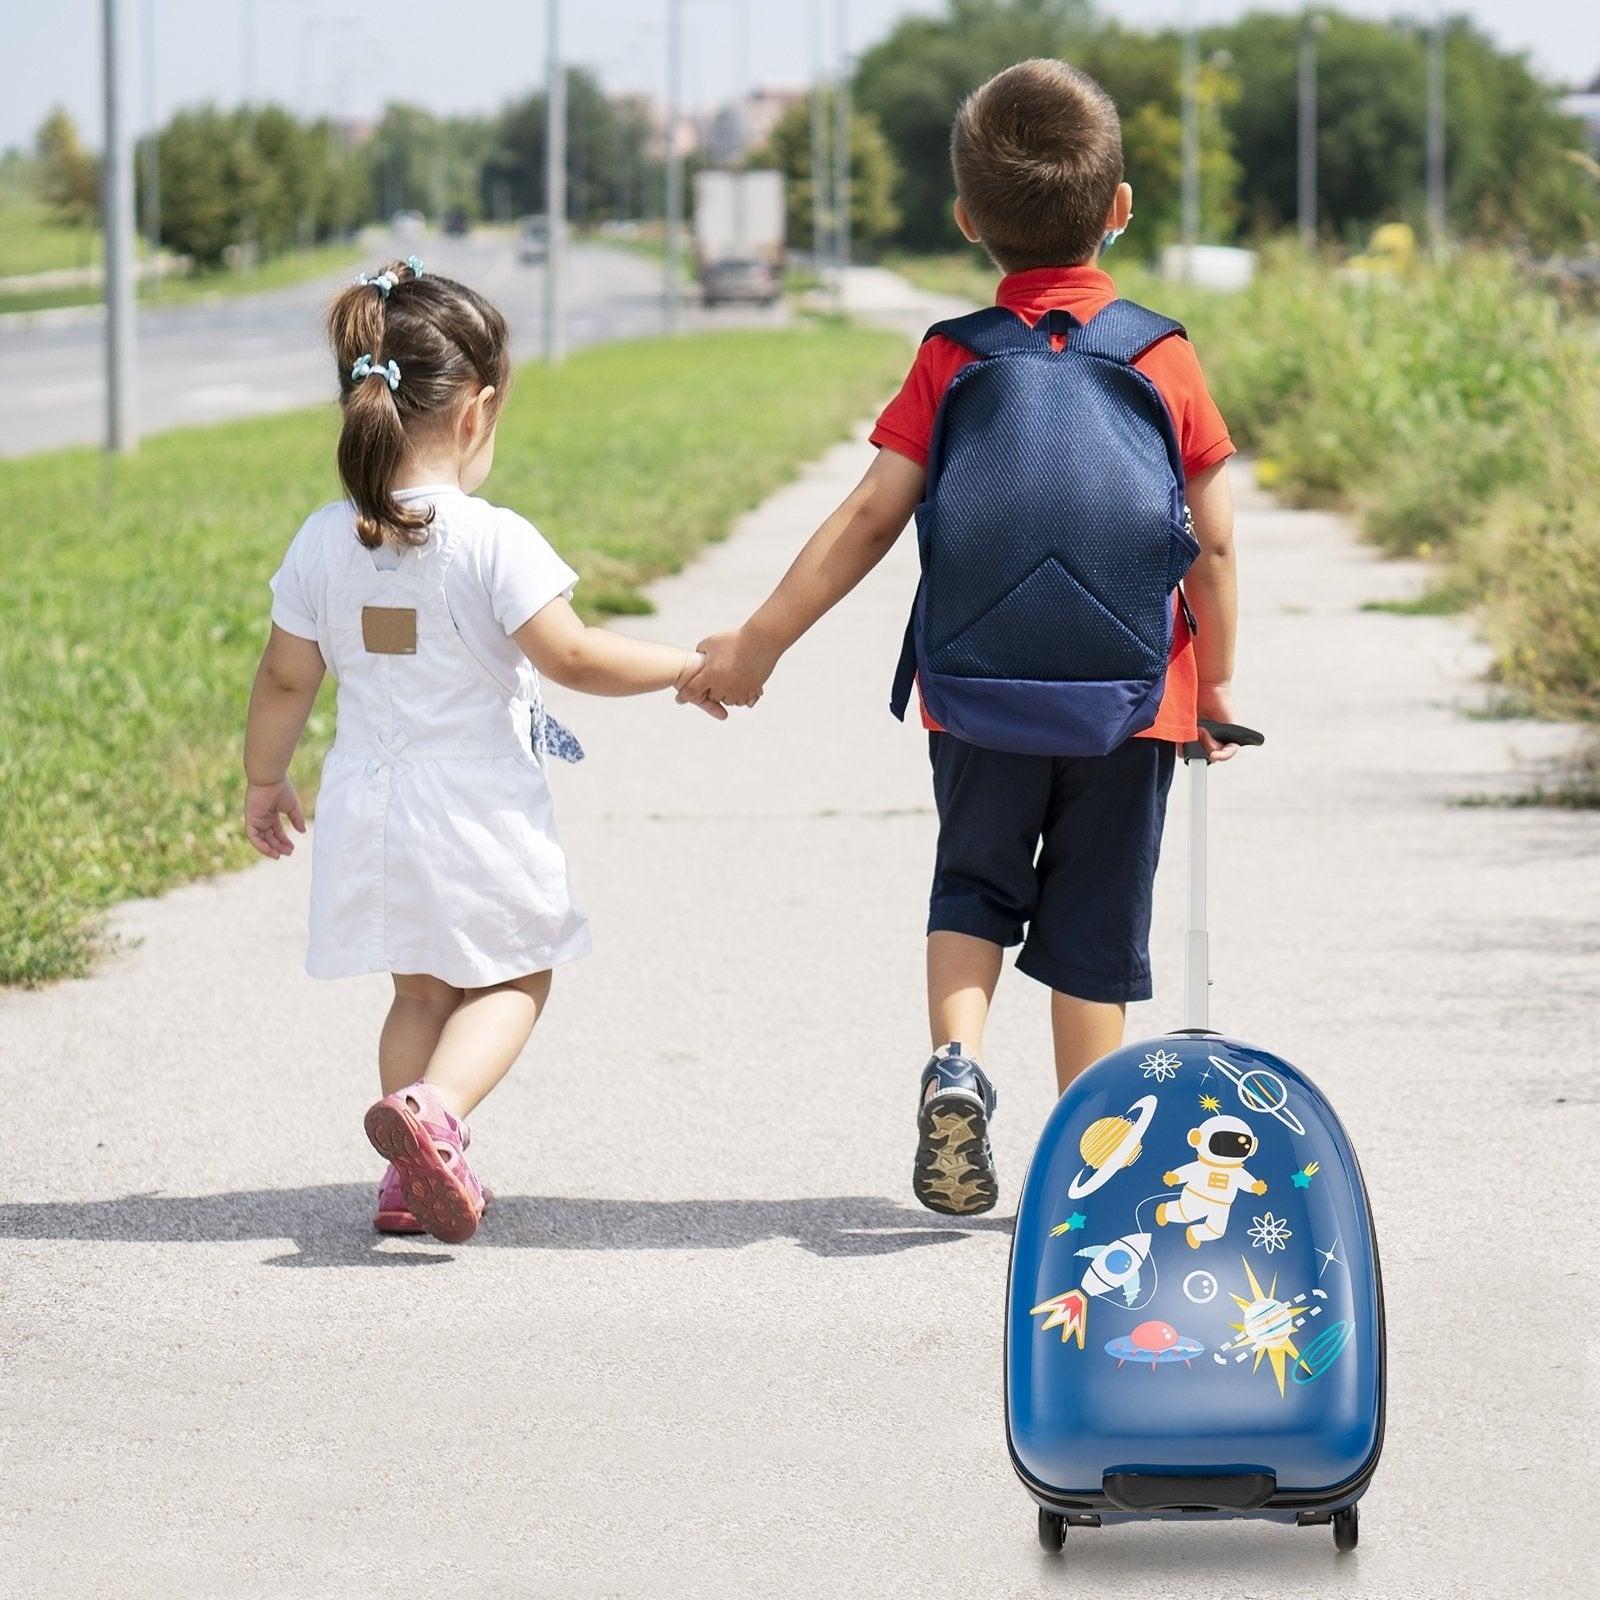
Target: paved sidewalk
<point x="706" y="1345"/>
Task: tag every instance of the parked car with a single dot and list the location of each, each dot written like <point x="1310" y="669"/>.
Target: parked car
<point x="456" y="222"/>
<point x="749" y="280"/>
<point x="408" y="224"/>
<point x="533" y="239"/>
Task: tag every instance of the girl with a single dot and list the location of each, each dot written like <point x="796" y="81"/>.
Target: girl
<point x="436" y="859"/>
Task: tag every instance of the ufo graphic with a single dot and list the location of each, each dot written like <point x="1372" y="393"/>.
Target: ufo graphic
<point x="1260" y="1090"/>
<point x="1109" y="1145"/>
<point x="1156" y="1342"/>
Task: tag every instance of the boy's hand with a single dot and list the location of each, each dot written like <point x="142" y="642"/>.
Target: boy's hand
<point x="733" y="674"/>
<point x="694" y="660"/>
<point x="265" y="804"/>
<point x="1215" y="704"/>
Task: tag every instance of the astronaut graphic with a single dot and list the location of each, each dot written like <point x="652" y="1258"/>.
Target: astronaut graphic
<point x="1210" y="1184"/>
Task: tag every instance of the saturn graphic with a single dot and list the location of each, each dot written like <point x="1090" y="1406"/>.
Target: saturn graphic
<point x="1109" y="1145"/>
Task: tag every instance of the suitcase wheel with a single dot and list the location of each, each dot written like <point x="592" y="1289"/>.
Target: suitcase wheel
<point x="1052" y="1531"/>
<point x="1346" y="1528"/>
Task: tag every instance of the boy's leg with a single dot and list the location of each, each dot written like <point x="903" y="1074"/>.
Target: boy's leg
<point x="962" y="974"/>
<point x="1083" y="1031"/>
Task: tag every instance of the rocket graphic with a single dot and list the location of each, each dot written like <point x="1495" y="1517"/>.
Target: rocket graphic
<point x="1116" y="1265"/>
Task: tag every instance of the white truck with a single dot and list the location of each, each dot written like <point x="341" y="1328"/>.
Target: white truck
<point x="738" y="235"/>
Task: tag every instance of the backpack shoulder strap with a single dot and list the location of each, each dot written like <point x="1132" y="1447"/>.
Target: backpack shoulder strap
<point x="1123" y="331"/>
<point x="993" y="331"/>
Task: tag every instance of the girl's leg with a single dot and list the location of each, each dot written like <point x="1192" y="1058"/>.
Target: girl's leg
<point x="1083" y="1031"/>
<point x="417" y="1015"/>
<point x="482" y="1035"/>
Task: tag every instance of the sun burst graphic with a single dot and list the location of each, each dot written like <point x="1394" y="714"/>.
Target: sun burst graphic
<point x="1209" y="1102"/>
<point x="1268" y="1326"/>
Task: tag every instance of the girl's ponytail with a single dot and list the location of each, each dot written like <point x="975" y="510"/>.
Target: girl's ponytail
<point x="409" y="347"/>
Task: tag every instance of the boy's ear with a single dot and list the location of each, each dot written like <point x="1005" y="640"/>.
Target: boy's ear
<point x="964" y="223"/>
<point x="1121" y="208"/>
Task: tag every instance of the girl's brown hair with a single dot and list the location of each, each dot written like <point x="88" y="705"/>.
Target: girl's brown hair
<point x="446" y="342"/>
<point x="1037" y="153"/>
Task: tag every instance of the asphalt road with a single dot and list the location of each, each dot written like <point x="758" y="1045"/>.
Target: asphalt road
<point x="705" y="1345"/>
<point x="242" y="356"/>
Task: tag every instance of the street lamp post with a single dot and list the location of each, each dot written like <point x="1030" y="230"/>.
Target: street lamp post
<point x="674" y="255"/>
<point x="116" y="216"/>
<point x="1191" y="140"/>
<point x="555" y="188"/>
<point x="1436" y="170"/>
<point x="1310" y="27"/>
<point x="841" y="148"/>
<point x="819" y="148"/>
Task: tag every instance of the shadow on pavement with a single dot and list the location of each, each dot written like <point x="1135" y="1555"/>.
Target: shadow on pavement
<point x="330" y="1224"/>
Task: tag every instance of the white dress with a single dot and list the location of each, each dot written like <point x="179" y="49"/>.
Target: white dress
<point x="435" y="848"/>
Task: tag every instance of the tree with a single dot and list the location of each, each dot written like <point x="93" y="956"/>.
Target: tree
<point x="874" y="173"/>
<point x="68" y="176"/>
<point x="1506" y="165"/>
<point x="915" y="79"/>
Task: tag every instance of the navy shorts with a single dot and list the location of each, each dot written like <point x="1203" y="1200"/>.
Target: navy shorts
<point x="1057" y="854"/>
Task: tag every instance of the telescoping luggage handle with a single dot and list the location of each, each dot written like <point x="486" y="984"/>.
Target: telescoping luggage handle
<point x="1196" y="955"/>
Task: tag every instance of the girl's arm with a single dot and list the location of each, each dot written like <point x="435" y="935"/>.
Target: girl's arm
<point x="596" y="661"/>
<point x="281" y="698"/>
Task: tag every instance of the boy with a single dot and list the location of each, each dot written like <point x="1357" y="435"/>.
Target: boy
<point x="1055" y="853"/>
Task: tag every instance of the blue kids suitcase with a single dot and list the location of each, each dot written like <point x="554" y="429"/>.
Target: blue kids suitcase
<point x="1194" y="1323"/>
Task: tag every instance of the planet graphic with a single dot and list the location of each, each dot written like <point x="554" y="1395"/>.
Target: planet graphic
<point x="1322" y="1352"/>
<point x="1109" y="1145"/>
<point x="1260" y="1090"/>
<point x="1156" y="1342"/>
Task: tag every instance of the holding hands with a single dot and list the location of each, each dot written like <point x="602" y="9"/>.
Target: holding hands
<point x="732" y="672"/>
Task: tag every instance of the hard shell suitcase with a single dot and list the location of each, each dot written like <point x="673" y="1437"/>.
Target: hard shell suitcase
<point x="1194" y="1324"/>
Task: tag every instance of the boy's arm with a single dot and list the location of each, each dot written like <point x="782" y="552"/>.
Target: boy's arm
<point x="1212" y="589"/>
<point x="285" y="689"/>
<point x="835" y="559"/>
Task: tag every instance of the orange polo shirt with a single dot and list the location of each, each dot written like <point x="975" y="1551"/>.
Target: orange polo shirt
<point x="906" y="427"/>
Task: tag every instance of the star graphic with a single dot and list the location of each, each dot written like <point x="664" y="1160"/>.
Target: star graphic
<point x="1076" y="1220"/>
<point x="1209" y="1102"/>
<point x="1302" y="1179"/>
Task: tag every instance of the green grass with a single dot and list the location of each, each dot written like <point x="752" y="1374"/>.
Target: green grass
<point x="31" y="240"/>
<point x="135" y="604"/>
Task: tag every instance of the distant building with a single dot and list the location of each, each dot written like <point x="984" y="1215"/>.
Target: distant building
<point x="733" y="130"/>
<point x="1585" y="106"/>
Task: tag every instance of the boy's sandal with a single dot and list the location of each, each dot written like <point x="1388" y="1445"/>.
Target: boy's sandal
<point x="413" y="1130"/>
<point x="954" y="1167"/>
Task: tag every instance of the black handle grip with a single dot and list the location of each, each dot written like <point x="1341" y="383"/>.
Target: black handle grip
<point x="1223" y="733"/>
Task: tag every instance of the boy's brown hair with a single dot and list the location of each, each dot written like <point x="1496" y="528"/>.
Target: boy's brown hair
<point x="1037" y="155"/>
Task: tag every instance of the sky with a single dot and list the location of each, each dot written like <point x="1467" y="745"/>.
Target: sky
<point x="354" y="56"/>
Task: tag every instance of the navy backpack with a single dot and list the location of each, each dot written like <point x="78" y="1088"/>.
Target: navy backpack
<point x="1053" y="533"/>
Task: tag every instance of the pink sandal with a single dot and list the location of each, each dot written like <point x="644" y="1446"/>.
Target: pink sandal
<point x="425" y="1145"/>
<point x="393" y="1215"/>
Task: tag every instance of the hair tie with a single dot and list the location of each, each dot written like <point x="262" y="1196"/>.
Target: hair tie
<point x="415" y="263"/>
<point x="364" y="368"/>
<point x="383" y="283"/>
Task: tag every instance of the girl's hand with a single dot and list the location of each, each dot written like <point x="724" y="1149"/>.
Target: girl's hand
<point x="732" y="671"/>
<point x="693" y="664"/>
<point x="264" y="805"/>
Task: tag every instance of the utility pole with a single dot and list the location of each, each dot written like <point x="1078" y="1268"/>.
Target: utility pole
<point x="841" y="149"/>
<point x="152" y="146"/>
<point x="116" y="219"/>
<point x="1191" y="140"/>
<point x="674" y="259"/>
<point x="1310" y="27"/>
<point x="1436" y="174"/>
<point x="555" y="188"/>
<point x="819" y="148"/>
